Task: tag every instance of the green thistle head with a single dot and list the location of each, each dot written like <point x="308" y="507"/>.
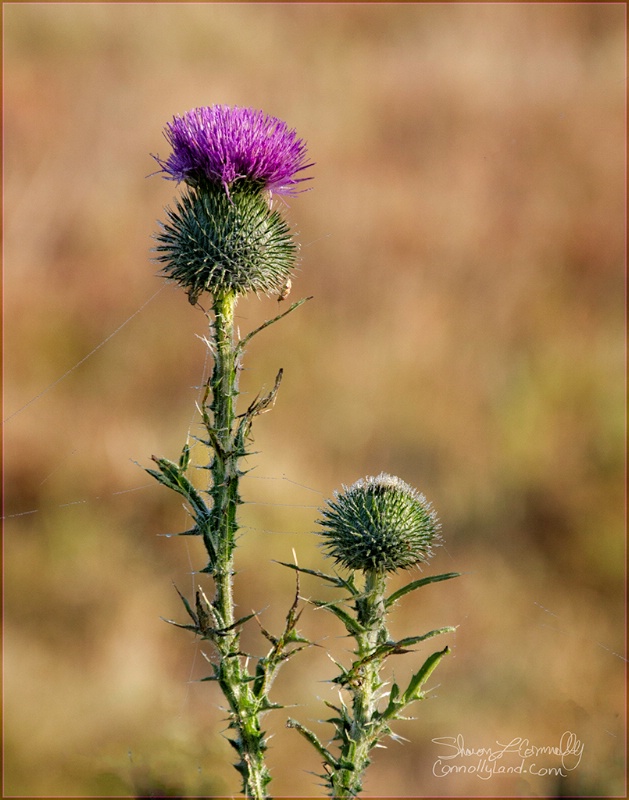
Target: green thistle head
<point x="380" y="524"/>
<point x="213" y="242"/>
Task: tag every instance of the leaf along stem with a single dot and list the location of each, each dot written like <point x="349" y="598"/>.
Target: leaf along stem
<point x="246" y="692"/>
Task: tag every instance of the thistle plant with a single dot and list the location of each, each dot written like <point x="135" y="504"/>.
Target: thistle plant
<point x="377" y="526"/>
<point x="225" y="239"/>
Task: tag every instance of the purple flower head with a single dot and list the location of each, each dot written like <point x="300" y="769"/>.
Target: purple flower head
<point x="224" y="144"/>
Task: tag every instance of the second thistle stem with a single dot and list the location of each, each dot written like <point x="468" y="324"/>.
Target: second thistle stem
<point x="364" y="687"/>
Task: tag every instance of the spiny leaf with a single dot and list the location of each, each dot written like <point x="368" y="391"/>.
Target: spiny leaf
<point x="258" y="406"/>
<point x="394" y="704"/>
<point x="314" y="741"/>
<point x="422" y="675"/>
<point x="236" y="624"/>
<point x="192" y="532"/>
<point x="188" y="607"/>
<point x="242" y="343"/>
<point x="409" y="641"/>
<point x="170" y="475"/>
<point x="332" y="706"/>
<point x="266" y="705"/>
<point x="184" y="458"/>
<point x="205" y="613"/>
<point x="353" y="626"/>
<point x="410" y="587"/>
<point x="193" y="628"/>
<point x="335" y="580"/>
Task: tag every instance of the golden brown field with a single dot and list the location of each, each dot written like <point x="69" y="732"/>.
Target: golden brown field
<point x="464" y="241"/>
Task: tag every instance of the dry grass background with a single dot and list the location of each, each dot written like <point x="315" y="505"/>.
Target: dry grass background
<point x="464" y="242"/>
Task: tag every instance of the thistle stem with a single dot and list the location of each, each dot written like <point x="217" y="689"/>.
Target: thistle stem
<point x="231" y="675"/>
<point x="224" y="468"/>
<point x="346" y="782"/>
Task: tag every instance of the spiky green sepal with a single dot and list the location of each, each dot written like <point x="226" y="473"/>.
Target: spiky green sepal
<point x="379" y="524"/>
<point x="217" y="242"/>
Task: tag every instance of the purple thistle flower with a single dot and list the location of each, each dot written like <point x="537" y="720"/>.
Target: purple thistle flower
<point x="224" y="144"/>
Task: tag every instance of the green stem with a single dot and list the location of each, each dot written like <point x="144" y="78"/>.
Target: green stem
<point x="224" y="467"/>
<point x="231" y="675"/>
<point x="217" y="522"/>
<point x="346" y="782"/>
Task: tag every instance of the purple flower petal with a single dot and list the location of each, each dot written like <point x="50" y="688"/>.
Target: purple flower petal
<point x="224" y="144"/>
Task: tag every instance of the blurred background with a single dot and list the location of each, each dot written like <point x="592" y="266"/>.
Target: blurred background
<point x="464" y="243"/>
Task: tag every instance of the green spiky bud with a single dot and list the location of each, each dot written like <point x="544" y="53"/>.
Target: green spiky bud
<point x="380" y="524"/>
<point x="219" y="242"/>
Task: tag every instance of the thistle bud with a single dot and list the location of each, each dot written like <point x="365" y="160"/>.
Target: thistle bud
<point x="380" y="524"/>
<point x="215" y="242"/>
